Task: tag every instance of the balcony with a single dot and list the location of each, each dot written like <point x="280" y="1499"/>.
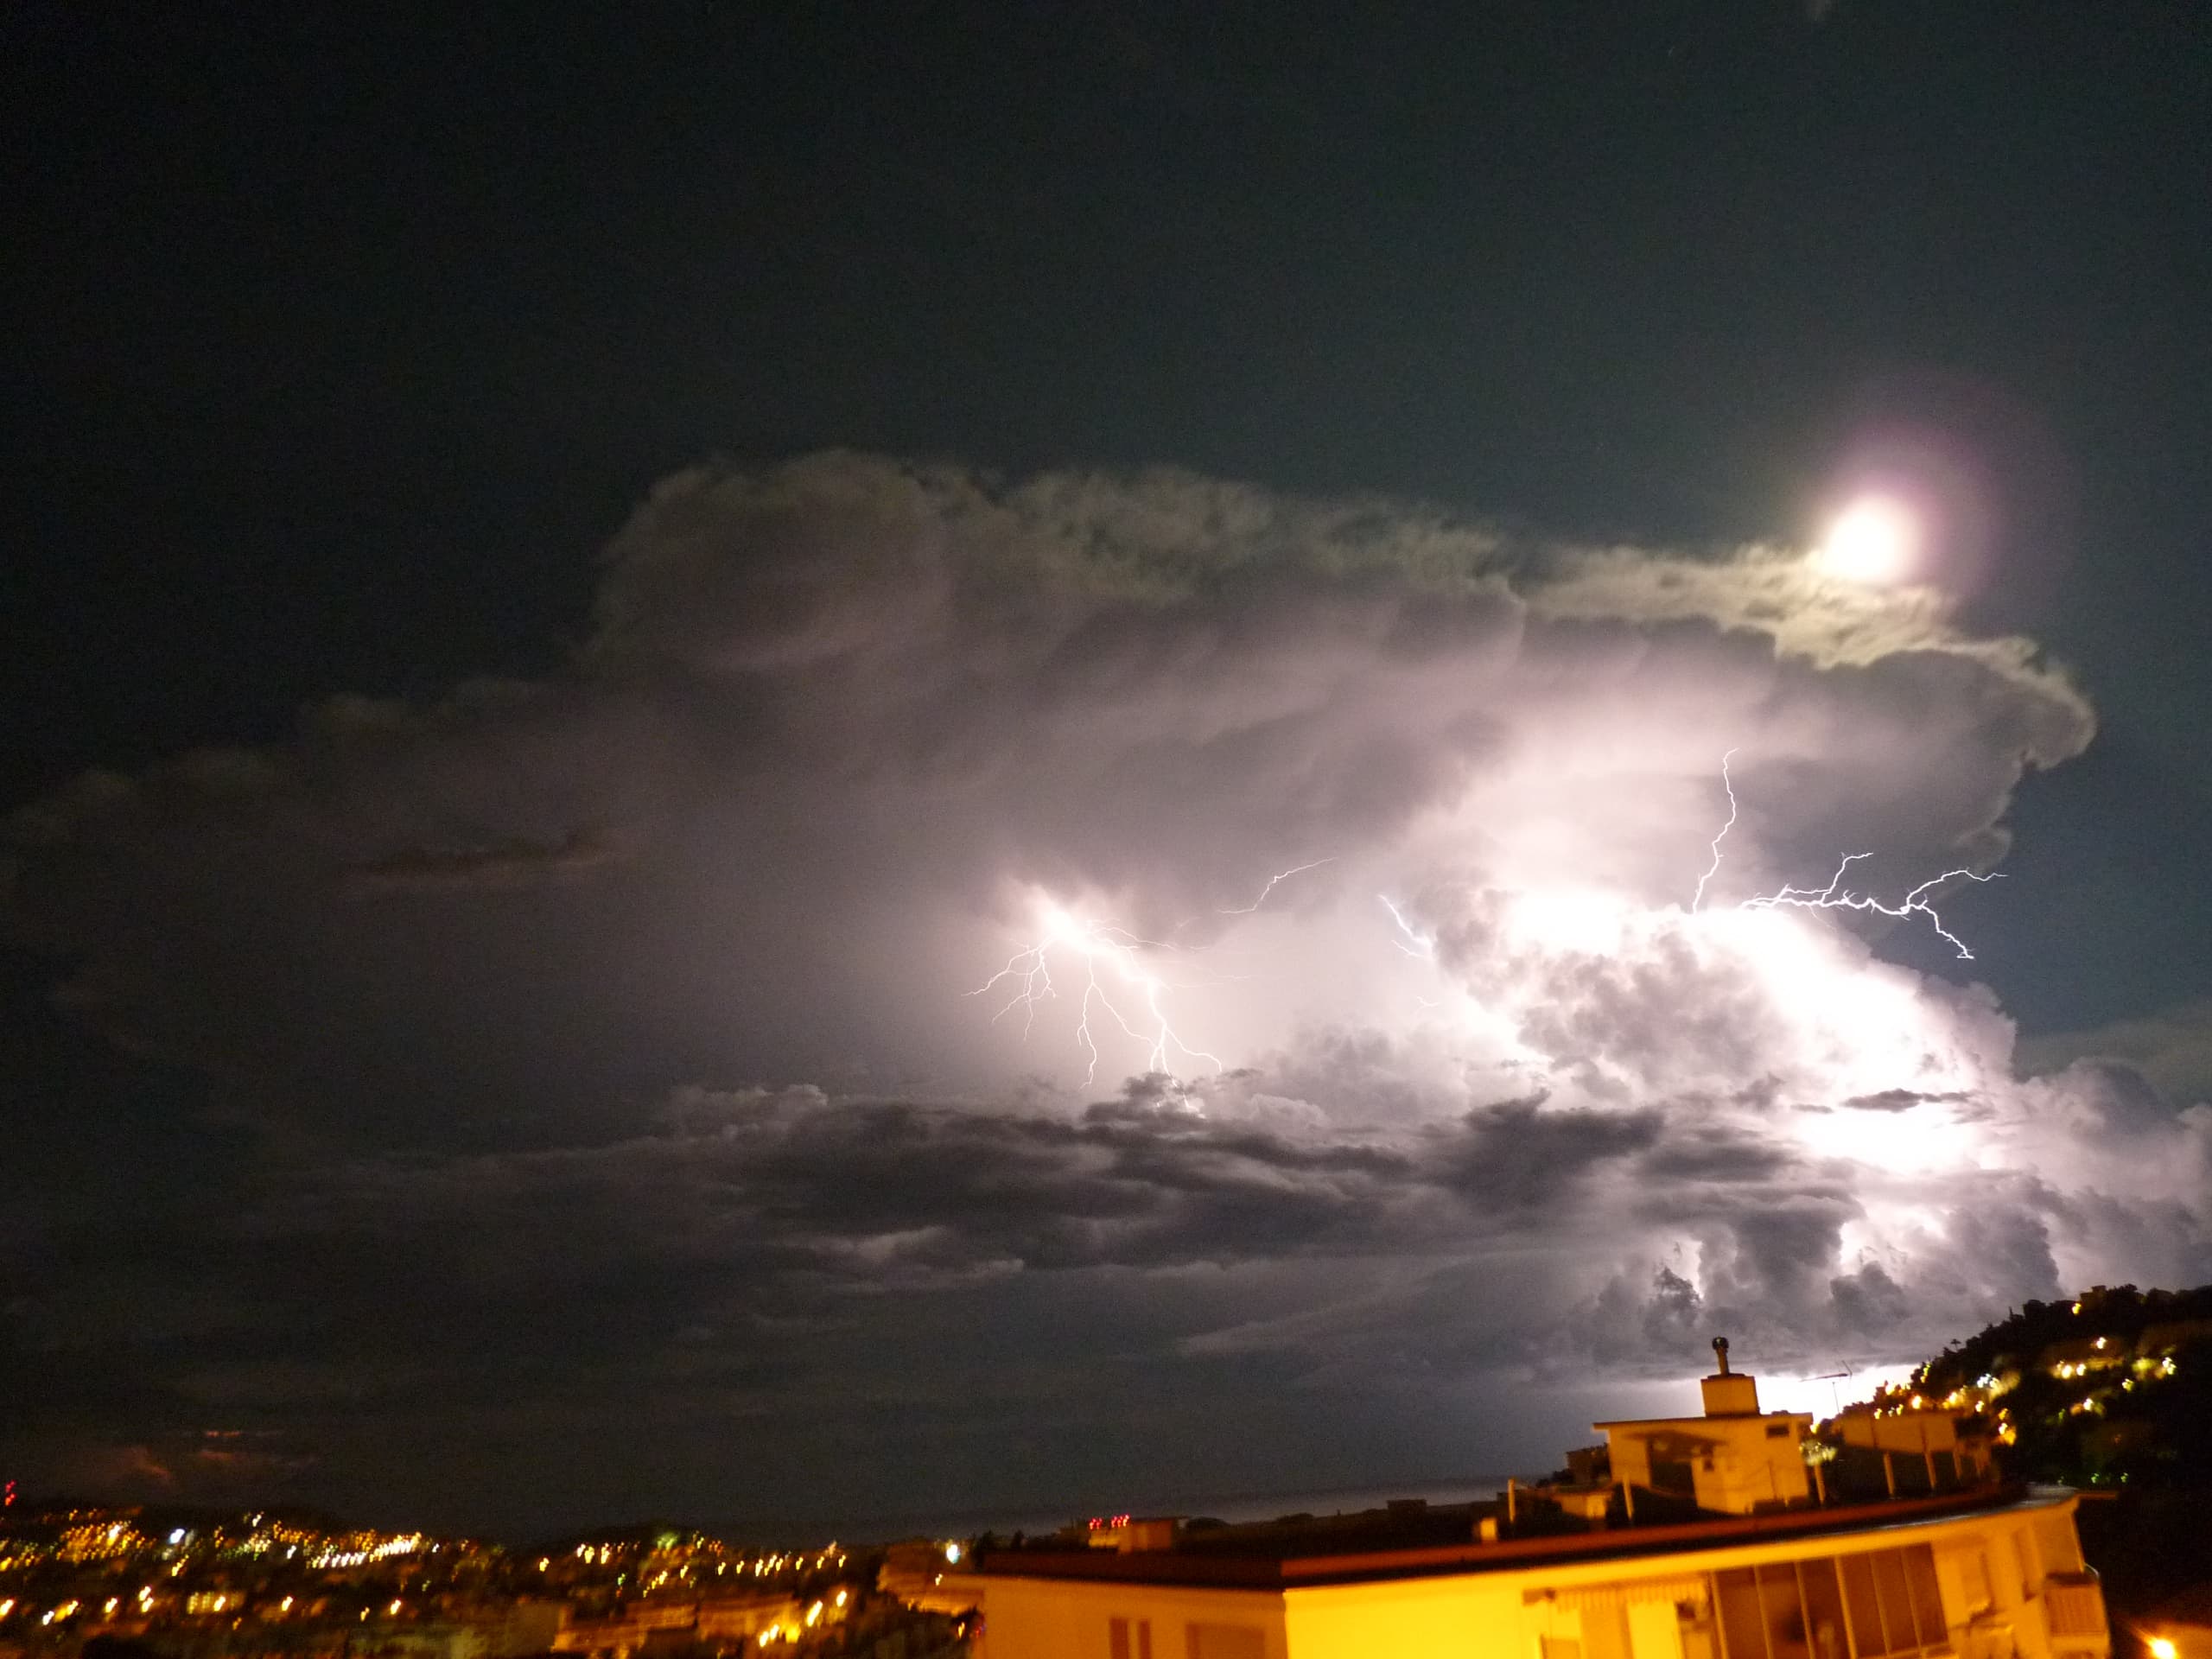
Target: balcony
<point x="2074" y="1613"/>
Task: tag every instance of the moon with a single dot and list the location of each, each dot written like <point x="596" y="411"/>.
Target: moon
<point x="1874" y="541"/>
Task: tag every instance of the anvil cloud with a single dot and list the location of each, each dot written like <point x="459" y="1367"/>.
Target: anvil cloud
<point x="608" y="1038"/>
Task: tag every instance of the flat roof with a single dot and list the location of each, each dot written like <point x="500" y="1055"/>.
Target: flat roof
<point x="1287" y="1568"/>
<point x="1702" y="1417"/>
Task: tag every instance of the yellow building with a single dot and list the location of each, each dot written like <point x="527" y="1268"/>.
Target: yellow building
<point x="1996" y="1575"/>
<point x="1734" y="1460"/>
<point x="1737" y="1552"/>
<point x="1915" y="1449"/>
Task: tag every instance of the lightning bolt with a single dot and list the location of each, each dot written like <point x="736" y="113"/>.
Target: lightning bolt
<point x="1412" y="940"/>
<point x="1028" y="976"/>
<point x="1836" y="896"/>
<point x="1713" y="868"/>
<point x="1274" y="881"/>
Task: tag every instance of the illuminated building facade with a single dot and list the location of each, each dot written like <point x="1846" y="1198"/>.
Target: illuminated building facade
<point x="1734" y="1460"/>
<point x="1909" y="1450"/>
<point x="1718" y="1539"/>
<point x="1981" y="1576"/>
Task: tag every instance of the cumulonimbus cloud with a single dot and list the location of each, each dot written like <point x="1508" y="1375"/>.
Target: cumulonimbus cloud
<point x="848" y="732"/>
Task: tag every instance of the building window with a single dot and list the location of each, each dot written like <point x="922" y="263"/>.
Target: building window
<point x="1884" y="1604"/>
<point x="1777" y="1431"/>
<point x="1225" y="1642"/>
<point x="1791" y="1609"/>
<point x="1895" y="1605"/>
<point x="1673" y="1475"/>
<point x="1128" y="1638"/>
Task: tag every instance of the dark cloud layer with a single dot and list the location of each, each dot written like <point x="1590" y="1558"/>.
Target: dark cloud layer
<point x="600" y="1051"/>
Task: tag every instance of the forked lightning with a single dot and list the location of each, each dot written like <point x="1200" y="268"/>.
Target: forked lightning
<point x="1835" y="895"/>
<point x="1028" y="974"/>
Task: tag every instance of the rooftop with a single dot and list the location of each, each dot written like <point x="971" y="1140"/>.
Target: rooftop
<point x="1282" y="1555"/>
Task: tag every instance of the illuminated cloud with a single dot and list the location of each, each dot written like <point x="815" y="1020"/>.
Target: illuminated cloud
<point x="629" y="1011"/>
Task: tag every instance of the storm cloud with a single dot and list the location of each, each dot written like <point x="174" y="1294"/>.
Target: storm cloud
<point x="619" y="1035"/>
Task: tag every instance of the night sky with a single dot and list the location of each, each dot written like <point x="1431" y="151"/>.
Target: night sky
<point x="576" y="579"/>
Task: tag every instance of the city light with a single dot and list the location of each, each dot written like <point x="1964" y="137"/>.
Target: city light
<point x="448" y="1585"/>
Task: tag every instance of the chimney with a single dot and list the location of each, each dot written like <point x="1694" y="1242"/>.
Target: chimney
<point x="1729" y="1393"/>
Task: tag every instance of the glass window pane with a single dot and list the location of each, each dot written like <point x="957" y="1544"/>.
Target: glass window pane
<point x="1927" y="1596"/>
<point x="1896" y="1600"/>
<point x="1782" y="1614"/>
<point x="1824" y="1625"/>
<point x="1742" y="1629"/>
<point x="1866" y="1610"/>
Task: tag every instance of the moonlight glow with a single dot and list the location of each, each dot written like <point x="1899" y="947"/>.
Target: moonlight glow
<point x="1875" y="541"/>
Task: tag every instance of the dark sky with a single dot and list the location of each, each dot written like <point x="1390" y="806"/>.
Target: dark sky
<point x="607" y="563"/>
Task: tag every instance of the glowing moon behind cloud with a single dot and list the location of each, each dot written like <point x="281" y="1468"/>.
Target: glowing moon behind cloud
<point x="1875" y="541"/>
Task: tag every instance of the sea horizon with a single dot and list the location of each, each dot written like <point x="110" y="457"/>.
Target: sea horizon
<point x="1032" y="1519"/>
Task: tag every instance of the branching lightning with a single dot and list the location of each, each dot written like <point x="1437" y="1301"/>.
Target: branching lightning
<point x="1120" y="983"/>
<point x="1836" y="896"/>
<point x="1713" y="868"/>
<point x="1028" y="972"/>
<point x="1027" y="978"/>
